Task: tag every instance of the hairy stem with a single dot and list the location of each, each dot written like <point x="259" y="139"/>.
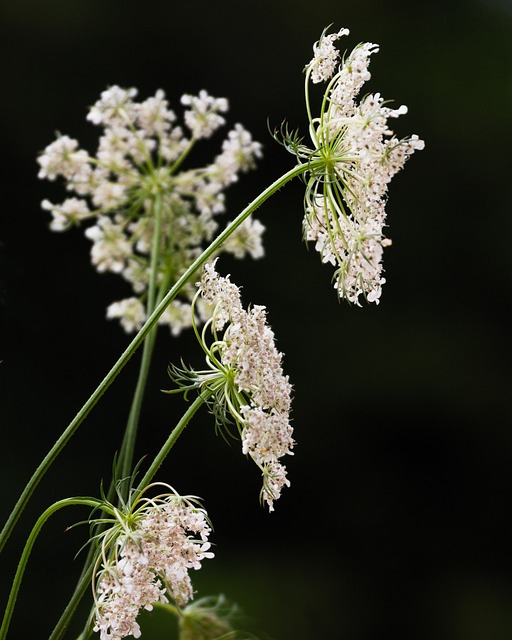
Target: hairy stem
<point x="91" y="502"/>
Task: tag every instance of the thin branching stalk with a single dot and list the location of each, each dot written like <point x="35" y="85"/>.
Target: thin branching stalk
<point x="137" y="341"/>
<point x="141" y="335"/>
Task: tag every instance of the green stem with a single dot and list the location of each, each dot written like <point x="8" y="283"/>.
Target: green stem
<point x="171" y="440"/>
<point x="137" y="341"/>
<point x="77" y="596"/>
<point x="125" y="458"/>
<point x="127" y="447"/>
<point x="134" y="415"/>
<point x="128" y="444"/>
<point x="91" y="502"/>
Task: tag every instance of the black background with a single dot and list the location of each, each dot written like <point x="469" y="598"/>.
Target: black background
<point x="397" y="521"/>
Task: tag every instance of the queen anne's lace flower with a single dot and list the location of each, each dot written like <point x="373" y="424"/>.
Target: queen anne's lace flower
<point x="246" y="239"/>
<point x="203" y="117"/>
<point x="246" y="379"/>
<point x="130" y="312"/>
<point x="135" y="170"/>
<point x="62" y="157"/>
<point x="326" y="56"/>
<point x="72" y="210"/>
<point x="115" y="107"/>
<point x="146" y="558"/>
<point x="355" y="154"/>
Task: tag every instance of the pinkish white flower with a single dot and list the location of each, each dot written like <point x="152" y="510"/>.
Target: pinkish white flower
<point x="325" y="56"/>
<point x="357" y="154"/>
<point x="246" y="379"/>
<point x="146" y="558"/>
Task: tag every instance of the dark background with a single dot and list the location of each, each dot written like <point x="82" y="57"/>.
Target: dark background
<point x="397" y="522"/>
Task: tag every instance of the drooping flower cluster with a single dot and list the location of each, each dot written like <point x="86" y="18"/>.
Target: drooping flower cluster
<point x="146" y="557"/>
<point x="142" y="203"/>
<point x="354" y="157"/>
<point x="246" y="379"/>
<point x="326" y="56"/>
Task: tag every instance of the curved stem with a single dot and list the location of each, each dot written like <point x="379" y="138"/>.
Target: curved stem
<point x="308" y="106"/>
<point x="91" y="502"/>
<point x="137" y="341"/>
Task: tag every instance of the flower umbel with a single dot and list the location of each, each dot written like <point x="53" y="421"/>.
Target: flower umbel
<point x="145" y="558"/>
<point x="134" y="188"/>
<point x="245" y="378"/>
<point x="326" y="56"/>
<point x="355" y="156"/>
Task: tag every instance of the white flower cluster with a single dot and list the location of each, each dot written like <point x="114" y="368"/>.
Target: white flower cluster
<point x="260" y="397"/>
<point x="345" y="199"/>
<point x="151" y="559"/>
<point x="326" y="56"/>
<point x="137" y="168"/>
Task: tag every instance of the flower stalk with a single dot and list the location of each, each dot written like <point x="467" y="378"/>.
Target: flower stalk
<point x="128" y="444"/>
<point x="90" y="502"/>
<point x="139" y="339"/>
